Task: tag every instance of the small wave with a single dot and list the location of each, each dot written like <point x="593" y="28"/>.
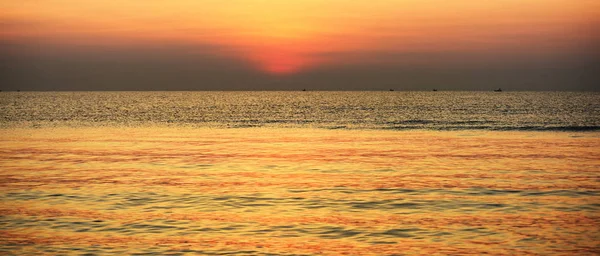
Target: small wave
<point x="547" y="128"/>
<point x="411" y="122"/>
<point x="497" y="128"/>
<point x="407" y="125"/>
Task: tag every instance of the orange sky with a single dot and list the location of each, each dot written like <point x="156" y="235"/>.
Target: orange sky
<point x="285" y="37"/>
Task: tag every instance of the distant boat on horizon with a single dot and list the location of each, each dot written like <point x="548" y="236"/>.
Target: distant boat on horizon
<point x="391" y="90"/>
<point x="498" y="90"/>
<point x="435" y="90"/>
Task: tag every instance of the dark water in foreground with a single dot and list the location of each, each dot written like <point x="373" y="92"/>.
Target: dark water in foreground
<point x="568" y="111"/>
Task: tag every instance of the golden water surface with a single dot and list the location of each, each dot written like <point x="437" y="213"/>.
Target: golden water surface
<point x="278" y="191"/>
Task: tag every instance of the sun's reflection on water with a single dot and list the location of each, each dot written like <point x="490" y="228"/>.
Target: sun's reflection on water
<point x="298" y="191"/>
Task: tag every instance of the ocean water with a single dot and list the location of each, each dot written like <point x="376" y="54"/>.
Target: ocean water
<point x="299" y="173"/>
<point x="348" y="110"/>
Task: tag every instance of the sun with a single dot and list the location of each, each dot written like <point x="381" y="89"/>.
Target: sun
<point x="278" y="62"/>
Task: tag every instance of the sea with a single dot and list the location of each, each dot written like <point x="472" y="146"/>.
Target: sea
<point x="299" y="173"/>
<point x="544" y="111"/>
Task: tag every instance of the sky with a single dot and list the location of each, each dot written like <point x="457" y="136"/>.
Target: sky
<point x="302" y="44"/>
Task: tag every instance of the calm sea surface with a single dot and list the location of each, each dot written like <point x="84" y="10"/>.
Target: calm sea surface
<point x="368" y="110"/>
<point x="299" y="173"/>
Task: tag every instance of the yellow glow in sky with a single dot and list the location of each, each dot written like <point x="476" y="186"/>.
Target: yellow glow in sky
<point x="281" y="37"/>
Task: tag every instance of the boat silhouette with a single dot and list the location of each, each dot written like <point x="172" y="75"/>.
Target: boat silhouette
<point x="498" y="90"/>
